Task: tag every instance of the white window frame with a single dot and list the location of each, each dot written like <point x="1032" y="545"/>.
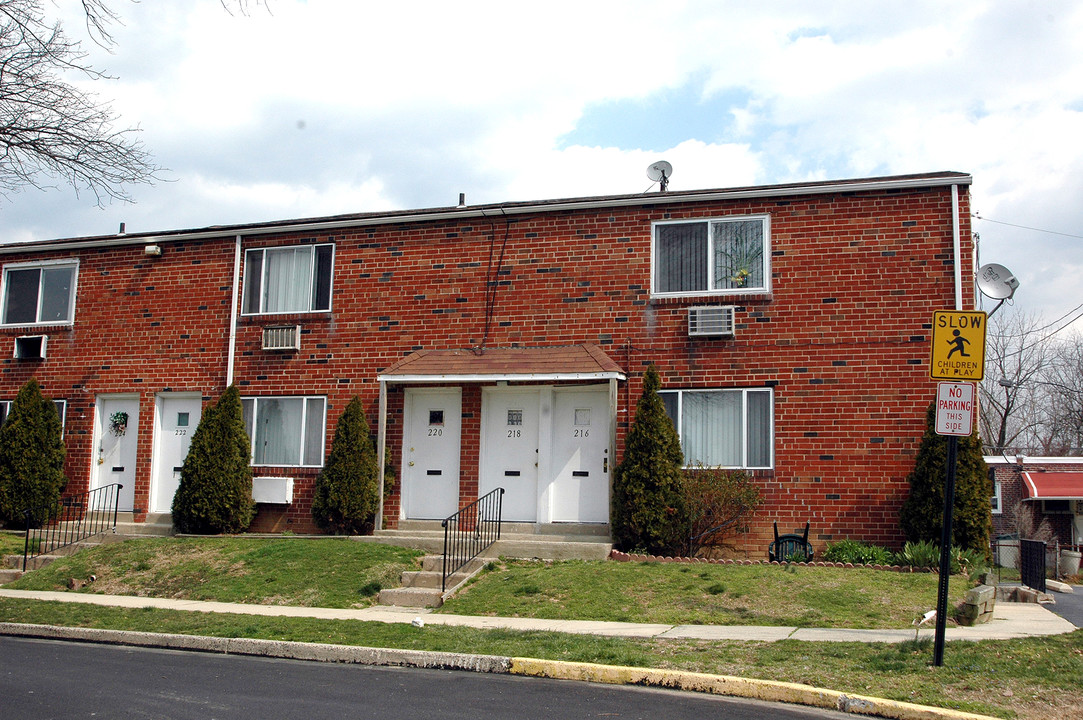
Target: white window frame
<point x="43" y="265"/>
<point x="255" y="403"/>
<point x="744" y="465"/>
<point x="708" y="291"/>
<point x="61" y="409"/>
<point x="997" y="500"/>
<point x="245" y="300"/>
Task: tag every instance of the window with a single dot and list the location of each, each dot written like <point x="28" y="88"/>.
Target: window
<point x="288" y="280"/>
<point x="711" y="257"/>
<point x="61" y="409"/>
<point x="42" y="294"/>
<point x="997" y="500"/>
<point x="723" y="428"/>
<point x="287" y="431"/>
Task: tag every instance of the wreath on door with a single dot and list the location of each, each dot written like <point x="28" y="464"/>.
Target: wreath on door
<point x="118" y="423"/>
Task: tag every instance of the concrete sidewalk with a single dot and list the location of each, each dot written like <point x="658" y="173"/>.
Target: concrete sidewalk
<point x="1010" y="620"/>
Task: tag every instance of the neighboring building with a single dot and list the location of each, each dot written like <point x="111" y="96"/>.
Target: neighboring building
<point x="1051" y="486"/>
<point x="504" y="345"/>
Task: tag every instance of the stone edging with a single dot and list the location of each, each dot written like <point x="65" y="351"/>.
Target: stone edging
<point x="634" y="557"/>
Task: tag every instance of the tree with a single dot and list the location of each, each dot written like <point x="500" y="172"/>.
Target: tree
<point x="648" y="510"/>
<point x="1016" y="356"/>
<point x="346" y="495"/>
<point x="215" y="491"/>
<point x="49" y="128"/>
<point x="1063" y="383"/>
<point x="921" y="517"/>
<point x="31" y="455"/>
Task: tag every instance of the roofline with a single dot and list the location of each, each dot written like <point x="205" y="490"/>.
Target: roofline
<point x="497" y="377"/>
<point x="898" y="182"/>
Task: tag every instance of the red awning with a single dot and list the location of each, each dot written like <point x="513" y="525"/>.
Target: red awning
<point x="1054" y="485"/>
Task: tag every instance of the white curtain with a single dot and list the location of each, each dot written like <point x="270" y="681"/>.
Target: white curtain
<point x="287" y="277"/>
<point x="712" y="428"/>
<point x="278" y="431"/>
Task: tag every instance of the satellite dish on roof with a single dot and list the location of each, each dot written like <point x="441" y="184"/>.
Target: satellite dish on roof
<point x="996" y="282"/>
<point x="660" y="172"/>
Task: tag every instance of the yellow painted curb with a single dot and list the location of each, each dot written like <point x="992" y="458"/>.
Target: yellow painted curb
<point x="735" y="687"/>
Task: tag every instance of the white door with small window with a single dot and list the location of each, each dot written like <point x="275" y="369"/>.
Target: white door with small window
<point x="509" y="448"/>
<point x="430" y="453"/>
<point x="579" y="461"/>
<point x="117" y="438"/>
<point x="177" y="415"/>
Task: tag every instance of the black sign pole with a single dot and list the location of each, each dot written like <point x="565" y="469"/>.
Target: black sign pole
<point x="945" y="552"/>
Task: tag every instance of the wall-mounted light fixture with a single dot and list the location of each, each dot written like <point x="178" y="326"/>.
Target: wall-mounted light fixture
<point x="153" y="250"/>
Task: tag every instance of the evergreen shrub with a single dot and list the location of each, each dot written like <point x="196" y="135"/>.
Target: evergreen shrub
<point x="648" y="510"/>
<point x="31" y="457"/>
<point x="922" y="512"/>
<point x="215" y="491"/>
<point x="346" y="496"/>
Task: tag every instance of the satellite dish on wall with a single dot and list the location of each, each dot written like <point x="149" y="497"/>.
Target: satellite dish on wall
<point x="996" y="282"/>
<point x="660" y="172"/>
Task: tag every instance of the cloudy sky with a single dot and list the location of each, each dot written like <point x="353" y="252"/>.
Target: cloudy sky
<point x="340" y="106"/>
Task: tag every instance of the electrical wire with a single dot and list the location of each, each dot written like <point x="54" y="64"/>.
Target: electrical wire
<point x="1025" y="227"/>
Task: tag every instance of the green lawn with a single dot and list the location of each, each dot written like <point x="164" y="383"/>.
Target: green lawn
<point x="328" y="572"/>
<point x="11" y="543"/>
<point x="702" y="594"/>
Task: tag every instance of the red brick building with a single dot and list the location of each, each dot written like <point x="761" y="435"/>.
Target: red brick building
<point x="1051" y="486"/>
<point x="503" y="345"/>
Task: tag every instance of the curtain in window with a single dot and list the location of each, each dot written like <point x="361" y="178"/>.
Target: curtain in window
<point x="681" y="257"/>
<point x="759" y="429"/>
<point x="738" y="255"/>
<point x="314" y="424"/>
<point x="711" y="424"/>
<point x="278" y="431"/>
<point x="287" y="283"/>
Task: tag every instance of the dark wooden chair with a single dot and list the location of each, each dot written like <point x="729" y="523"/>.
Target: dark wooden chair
<point x="790" y="546"/>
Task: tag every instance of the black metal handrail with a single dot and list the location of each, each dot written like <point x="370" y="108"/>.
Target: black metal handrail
<point x="70" y="520"/>
<point x="470" y="531"/>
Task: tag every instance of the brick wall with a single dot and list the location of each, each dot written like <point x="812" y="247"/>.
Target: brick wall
<point x="842" y="337"/>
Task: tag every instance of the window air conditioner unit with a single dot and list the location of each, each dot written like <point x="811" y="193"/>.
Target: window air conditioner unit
<point x="286" y="337"/>
<point x="30" y="347"/>
<point x="710" y="321"/>
<point x="272" y="490"/>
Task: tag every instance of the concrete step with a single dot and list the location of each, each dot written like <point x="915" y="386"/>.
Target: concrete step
<point x="555" y="541"/>
<point x="412" y="597"/>
<point x="9" y="575"/>
<point x="16" y="561"/>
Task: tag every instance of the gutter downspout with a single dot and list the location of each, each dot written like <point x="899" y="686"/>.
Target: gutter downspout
<point x="232" y="350"/>
<point x="381" y="453"/>
<point x="957" y="246"/>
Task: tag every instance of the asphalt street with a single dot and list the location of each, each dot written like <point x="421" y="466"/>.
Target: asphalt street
<point x="50" y="679"/>
<point x="1069" y="605"/>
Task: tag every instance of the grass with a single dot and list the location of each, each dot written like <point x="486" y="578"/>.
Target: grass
<point x="335" y="573"/>
<point x="12" y="543"/>
<point x="701" y="594"/>
<point x="1033" y="678"/>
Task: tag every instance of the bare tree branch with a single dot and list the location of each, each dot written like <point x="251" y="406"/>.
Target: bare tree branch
<point x="51" y="131"/>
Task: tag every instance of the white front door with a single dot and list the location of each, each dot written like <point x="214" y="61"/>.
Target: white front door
<point x="509" y="450"/>
<point x="177" y="417"/>
<point x="117" y="431"/>
<point x="580" y="462"/>
<point x="430" y="453"/>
